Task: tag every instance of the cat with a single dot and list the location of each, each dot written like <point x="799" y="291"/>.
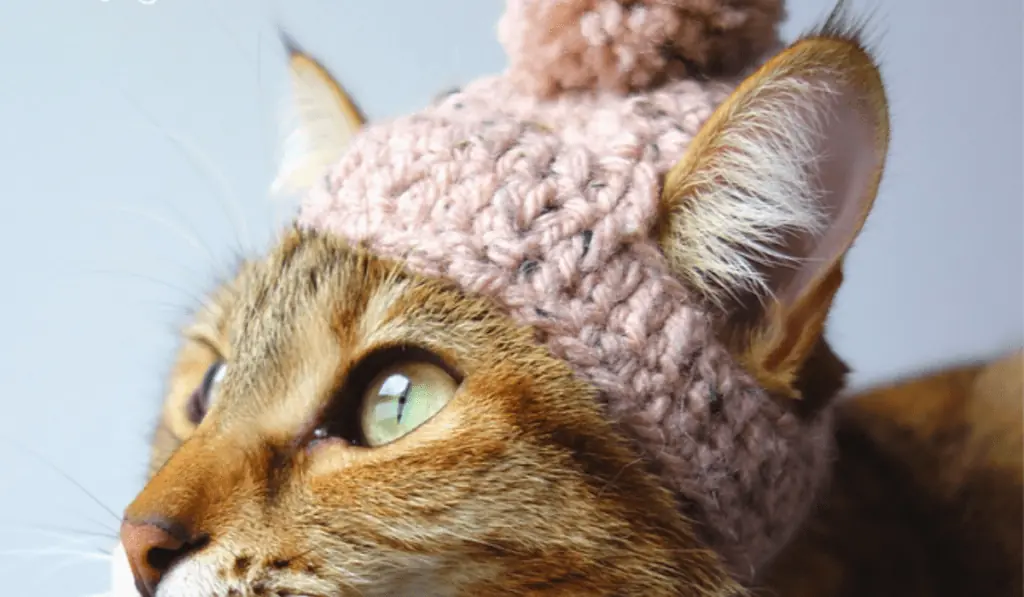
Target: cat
<point x="338" y="424"/>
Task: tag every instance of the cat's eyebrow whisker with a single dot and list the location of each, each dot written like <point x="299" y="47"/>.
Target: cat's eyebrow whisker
<point x="260" y="96"/>
<point x="191" y="296"/>
<point x="225" y="193"/>
<point x="167" y="307"/>
<point x="173" y="225"/>
<point x="201" y="160"/>
<point x="268" y="148"/>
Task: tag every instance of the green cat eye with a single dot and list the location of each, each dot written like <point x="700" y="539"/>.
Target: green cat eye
<point x="401" y="398"/>
<point x="203" y="396"/>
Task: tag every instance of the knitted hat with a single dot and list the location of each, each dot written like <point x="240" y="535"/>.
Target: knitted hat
<point x="540" y="187"/>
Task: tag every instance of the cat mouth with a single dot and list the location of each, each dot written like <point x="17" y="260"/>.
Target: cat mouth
<point x="122" y="582"/>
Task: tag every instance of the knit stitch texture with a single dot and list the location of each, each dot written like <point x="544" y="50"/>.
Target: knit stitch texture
<point x="547" y="204"/>
<point x="559" y="45"/>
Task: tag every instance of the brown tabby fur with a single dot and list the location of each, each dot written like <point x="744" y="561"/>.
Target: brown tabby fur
<point x="927" y="493"/>
<point x="520" y="485"/>
<point x="926" y="499"/>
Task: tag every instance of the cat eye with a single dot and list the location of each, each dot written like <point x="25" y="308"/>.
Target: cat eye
<point x="202" y="397"/>
<point x="398" y="399"/>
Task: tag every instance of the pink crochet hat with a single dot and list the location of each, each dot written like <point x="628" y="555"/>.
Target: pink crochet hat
<point x="540" y="188"/>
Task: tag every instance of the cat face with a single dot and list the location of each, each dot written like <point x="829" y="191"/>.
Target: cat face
<point x="336" y="426"/>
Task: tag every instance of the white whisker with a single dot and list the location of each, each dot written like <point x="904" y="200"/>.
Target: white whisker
<point x="200" y="160"/>
<point x="92" y="497"/>
<point x="192" y="297"/>
<point x="260" y="95"/>
<point x="191" y="239"/>
<point x="56" y="551"/>
<point x="66" y="564"/>
<point x="227" y="191"/>
<point x="86" y="537"/>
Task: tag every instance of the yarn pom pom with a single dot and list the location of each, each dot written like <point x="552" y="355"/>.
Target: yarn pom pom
<point x="626" y="45"/>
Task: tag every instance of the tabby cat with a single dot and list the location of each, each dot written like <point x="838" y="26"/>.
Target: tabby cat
<point x="337" y="424"/>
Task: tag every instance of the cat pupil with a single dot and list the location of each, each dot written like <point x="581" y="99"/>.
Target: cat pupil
<point x="401" y="407"/>
<point x="397" y="386"/>
<point x="200" y="399"/>
<point x="212" y="375"/>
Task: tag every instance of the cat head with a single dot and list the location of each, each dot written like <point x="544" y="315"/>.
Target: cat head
<point x="526" y="341"/>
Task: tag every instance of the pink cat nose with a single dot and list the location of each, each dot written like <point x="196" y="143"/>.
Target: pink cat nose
<point x="152" y="548"/>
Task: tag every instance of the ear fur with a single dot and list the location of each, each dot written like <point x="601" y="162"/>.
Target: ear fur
<point x="760" y="212"/>
<point x="323" y="120"/>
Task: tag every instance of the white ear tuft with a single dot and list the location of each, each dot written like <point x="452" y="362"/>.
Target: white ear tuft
<point x="320" y="121"/>
<point x="776" y="186"/>
<point x="773" y="191"/>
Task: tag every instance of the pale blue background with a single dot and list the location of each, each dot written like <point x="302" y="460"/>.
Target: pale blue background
<point x="92" y="290"/>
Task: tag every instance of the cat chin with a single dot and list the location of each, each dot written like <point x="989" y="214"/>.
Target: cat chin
<point x="194" y="578"/>
<point x="122" y="583"/>
<point x="188" y="580"/>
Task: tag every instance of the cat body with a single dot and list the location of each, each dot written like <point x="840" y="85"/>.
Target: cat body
<point x="926" y="494"/>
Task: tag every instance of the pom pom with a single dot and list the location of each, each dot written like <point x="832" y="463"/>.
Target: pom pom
<point x="622" y="45"/>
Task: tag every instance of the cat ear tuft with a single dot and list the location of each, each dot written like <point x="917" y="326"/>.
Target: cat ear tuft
<point x="320" y="122"/>
<point x="773" y="191"/>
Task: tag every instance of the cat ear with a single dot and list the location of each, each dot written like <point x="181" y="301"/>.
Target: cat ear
<point x="323" y="120"/>
<point x="773" y="191"/>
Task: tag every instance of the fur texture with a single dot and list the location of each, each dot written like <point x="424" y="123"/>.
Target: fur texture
<point x="927" y="493"/>
<point x="519" y="487"/>
<point x="629" y="293"/>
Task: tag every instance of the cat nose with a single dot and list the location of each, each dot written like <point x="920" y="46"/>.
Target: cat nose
<point x="152" y="548"/>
